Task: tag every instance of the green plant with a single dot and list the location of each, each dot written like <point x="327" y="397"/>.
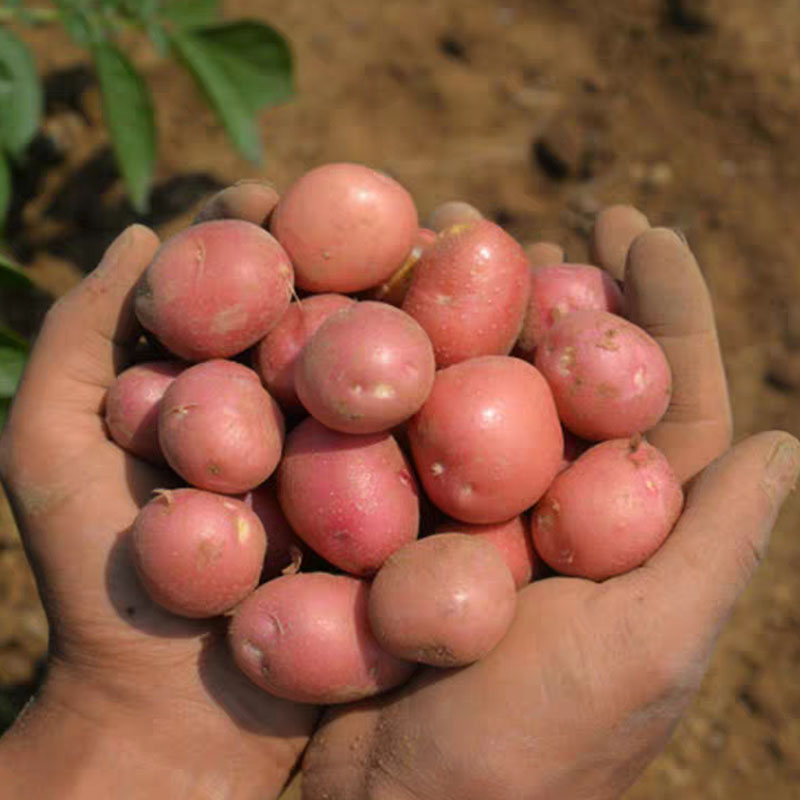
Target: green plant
<point x="241" y="66"/>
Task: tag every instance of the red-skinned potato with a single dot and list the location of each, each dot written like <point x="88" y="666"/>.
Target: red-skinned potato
<point x="608" y="512"/>
<point x="198" y="554"/>
<point x="352" y="499"/>
<point x="219" y="429"/>
<point x="284" y="549"/>
<point x="275" y="356"/>
<point x="446" y="600"/>
<point x="131" y="408"/>
<point x="368" y="368"/>
<point x="511" y="538"/>
<point x="558" y="290"/>
<point x="469" y="292"/>
<point x="346" y="227"/>
<point x="306" y="638"/>
<point x="610" y="379"/>
<point x="487" y="443"/>
<point x="215" y="289"/>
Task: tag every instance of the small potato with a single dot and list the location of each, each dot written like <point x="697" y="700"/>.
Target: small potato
<point x="608" y="512"/>
<point x="284" y="549"/>
<point x="487" y="443"/>
<point x="610" y="379"/>
<point x="215" y="289"/>
<point x="275" y="356"/>
<point x="198" y="554"/>
<point x="306" y="638"/>
<point x="393" y="291"/>
<point x="219" y="429"/>
<point x="512" y="540"/>
<point x="446" y="600"/>
<point x="346" y="227"/>
<point x="469" y="292"/>
<point x="131" y="408"/>
<point x="558" y="290"/>
<point x="366" y="369"/>
<point x="352" y="499"/>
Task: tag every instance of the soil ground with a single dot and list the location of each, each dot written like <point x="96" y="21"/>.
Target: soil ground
<point x="539" y="112"/>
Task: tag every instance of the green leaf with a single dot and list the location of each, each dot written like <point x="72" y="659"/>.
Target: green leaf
<point x="256" y="58"/>
<point x="13" y="355"/>
<point x="191" y="13"/>
<point x="10" y="338"/>
<point x="11" y="276"/>
<point x="223" y="94"/>
<point x="128" y="112"/>
<point x="76" y="23"/>
<point x="242" y="67"/>
<point x="5" y="189"/>
<point x="21" y="99"/>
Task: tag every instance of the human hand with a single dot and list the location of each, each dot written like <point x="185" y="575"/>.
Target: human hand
<point x="591" y="679"/>
<point x="137" y="702"/>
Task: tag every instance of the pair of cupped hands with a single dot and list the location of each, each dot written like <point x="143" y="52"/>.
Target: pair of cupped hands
<point x="580" y="695"/>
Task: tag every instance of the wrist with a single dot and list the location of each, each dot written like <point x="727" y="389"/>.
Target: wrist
<point x="77" y="739"/>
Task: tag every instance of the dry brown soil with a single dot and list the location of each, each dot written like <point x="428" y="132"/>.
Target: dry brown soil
<point x="539" y="112"/>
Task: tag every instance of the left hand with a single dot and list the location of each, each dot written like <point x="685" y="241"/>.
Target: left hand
<point x="137" y="702"/>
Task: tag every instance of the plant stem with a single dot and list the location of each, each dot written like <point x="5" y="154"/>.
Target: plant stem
<point x="36" y="16"/>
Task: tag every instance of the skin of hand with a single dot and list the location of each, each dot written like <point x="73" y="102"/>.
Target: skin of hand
<point x="591" y="679"/>
<point x="137" y="702"/>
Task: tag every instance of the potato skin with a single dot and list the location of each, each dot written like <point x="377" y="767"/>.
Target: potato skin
<point x="487" y="443"/>
<point x="366" y="369"/>
<point x="352" y="499"/>
<point x="198" y="554"/>
<point x="306" y="638"/>
<point x="610" y="379"/>
<point x="446" y="600"/>
<point x="558" y="290"/>
<point x="608" y="512"/>
<point x="131" y="407"/>
<point x="215" y="289"/>
<point x="219" y="429"/>
<point x="275" y="356"/>
<point x="346" y="227"/>
<point x="469" y="292"/>
<point x="511" y="538"/>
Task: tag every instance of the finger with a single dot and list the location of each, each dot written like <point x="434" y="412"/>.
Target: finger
<point x="721" y="537"/>
<point x="249" y="200"/>
<point x="667" y="296"/>
<point x="86" y="338"/>
<point x="542" y="254"/>
<point x="614" y="231"/>
<point x="454" y="212"/>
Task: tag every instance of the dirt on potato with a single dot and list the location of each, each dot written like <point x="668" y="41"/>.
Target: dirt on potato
<point x="539" y="113"/>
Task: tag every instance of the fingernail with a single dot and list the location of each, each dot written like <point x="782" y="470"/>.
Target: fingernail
<point x="781" y="472"/>
<point x="257" y="182"/>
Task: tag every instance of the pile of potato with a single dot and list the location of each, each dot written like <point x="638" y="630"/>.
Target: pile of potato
<point x="425" y="476"/>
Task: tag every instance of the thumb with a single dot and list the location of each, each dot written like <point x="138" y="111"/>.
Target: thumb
<point x="722" y="535"/>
